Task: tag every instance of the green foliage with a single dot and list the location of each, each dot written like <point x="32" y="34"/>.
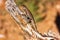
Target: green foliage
<point x="33" y="6"/>
<point x="18" y="2"/>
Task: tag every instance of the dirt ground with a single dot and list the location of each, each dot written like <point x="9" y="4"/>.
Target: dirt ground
<point x="12" y="31"/>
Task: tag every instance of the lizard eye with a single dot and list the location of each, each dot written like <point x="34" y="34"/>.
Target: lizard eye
<point x="28" y="18"/>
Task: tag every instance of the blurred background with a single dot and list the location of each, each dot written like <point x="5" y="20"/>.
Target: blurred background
<point x="37" y="7"/>
<point x="45" y="12"/>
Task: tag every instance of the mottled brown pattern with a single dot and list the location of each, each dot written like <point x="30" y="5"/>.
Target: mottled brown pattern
<point x="12" y="31"/>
